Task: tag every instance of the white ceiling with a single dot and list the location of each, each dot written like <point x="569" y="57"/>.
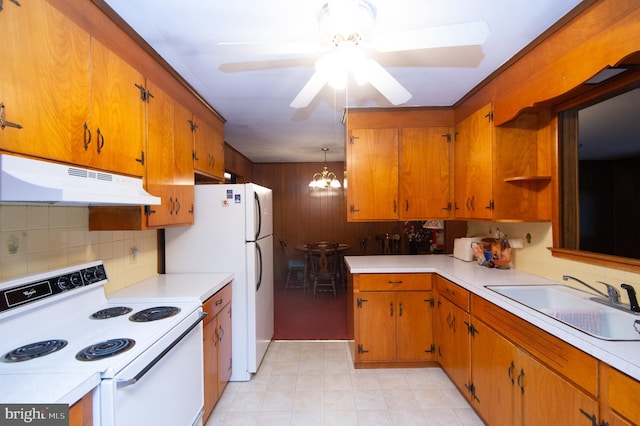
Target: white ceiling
<point x="253" y="92"/>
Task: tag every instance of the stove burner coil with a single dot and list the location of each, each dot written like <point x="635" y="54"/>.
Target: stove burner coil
<point x="155" y="313"/>
<point x="34" y="350"/>
<point x="105" y="349"/>
<point x="112" y="312"/>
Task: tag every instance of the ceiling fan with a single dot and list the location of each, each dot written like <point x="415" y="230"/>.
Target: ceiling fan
<point x="348" y="26"/>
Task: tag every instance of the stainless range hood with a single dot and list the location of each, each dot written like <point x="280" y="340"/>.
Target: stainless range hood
<point x="25" y="180"/>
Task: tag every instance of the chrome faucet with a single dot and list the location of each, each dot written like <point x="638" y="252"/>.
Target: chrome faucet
<point x="612" y="294"/>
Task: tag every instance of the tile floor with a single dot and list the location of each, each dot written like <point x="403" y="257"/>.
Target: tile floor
<point x="314" y="383"/>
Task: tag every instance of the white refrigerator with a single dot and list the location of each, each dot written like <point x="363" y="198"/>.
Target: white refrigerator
<point x="233" y="232"/>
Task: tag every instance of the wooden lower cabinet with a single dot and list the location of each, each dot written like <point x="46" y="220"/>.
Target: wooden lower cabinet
<point x="217" y="347"/>
<point x="453" y="345"/>
<point x="393" y="320"/>
<point x="620" y="399"/>
<point x="536" y="377"/>
<point x="81" y="413"/>
<point x="529" y="393"/>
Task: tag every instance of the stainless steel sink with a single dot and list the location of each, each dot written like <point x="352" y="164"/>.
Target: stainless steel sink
<point x="576" y="309"/>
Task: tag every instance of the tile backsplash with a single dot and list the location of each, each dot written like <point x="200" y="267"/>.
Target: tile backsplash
<point x="38" y="238"/>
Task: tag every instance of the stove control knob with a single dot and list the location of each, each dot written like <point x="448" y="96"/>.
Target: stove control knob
<point x="63" y="283"/>
<point x="75" y="279"/>
<point x="90" y="276"/>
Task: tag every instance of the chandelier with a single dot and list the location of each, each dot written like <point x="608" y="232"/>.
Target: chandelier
<point x="324" y="179"/>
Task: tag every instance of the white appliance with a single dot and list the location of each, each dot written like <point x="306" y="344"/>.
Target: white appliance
<point x="148" y="356"/>
<point x="462" y="248"/>
<point x="233" y="232"/>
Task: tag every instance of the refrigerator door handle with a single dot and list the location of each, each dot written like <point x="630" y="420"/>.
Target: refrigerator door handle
<point x="259" y="214"/>
<point x="259" y="281"/>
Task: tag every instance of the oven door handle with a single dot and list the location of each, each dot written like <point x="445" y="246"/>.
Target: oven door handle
<point x="128" y="382"/>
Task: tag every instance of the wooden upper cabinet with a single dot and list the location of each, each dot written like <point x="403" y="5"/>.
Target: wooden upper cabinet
<point x="208" y="151"/>
<point x="45" y="81"/>
<point x="168" y="174"/>
<point x="472" y="166"/>
<point x="117" y="114"/>
<point x="523" y="168"/>
<point x="425" y="173"/>
<point x="372" y="174"/>
<point x="169" y="170"/>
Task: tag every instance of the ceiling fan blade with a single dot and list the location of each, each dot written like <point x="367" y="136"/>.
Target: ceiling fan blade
<point x="385" y="83"/>
<point x="268" y="48"/>
<point x="464" y="34"/>
<point x="310" y="90"/>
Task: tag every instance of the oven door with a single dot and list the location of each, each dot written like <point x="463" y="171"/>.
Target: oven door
<point x="163" y="386"/>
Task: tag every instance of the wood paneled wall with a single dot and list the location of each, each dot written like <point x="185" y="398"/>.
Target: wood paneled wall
<point x="302" y="214"/>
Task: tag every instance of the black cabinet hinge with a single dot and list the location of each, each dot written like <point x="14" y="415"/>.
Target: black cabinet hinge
<point x="448" y="136"/>
<point x="489" y="115"/>
<point x="12" y="1"/>
<point x="472" y="390"/>
<point x="431" y="302"/>
<point x="360" y="350"/>
<point x="432" y="349"/>
<point x="471" y="329"/>
<point x="593" y="418"/>
<point x="148" y="211"/>
<point x="4" y="123"/>
<point x="359" y="302"/>
<point x="141" y="159"/>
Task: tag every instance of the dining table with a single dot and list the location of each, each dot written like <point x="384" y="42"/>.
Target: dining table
<point x="342" y="247"/>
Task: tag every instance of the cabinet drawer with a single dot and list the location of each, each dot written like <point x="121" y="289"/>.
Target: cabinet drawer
<point x="395" y="282"/>
<point x="215" y="303"/>
<point x="453" y="292"/>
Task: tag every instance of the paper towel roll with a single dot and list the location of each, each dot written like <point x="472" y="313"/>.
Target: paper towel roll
<point x="516" y="243"/>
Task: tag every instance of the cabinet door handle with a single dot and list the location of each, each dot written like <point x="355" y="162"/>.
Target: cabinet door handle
<point x="171" y="206"/>
<point x="100" y="141"/>
<point x="395" y="282"/>
<point x="510" y="372"/>
<point x="406" y="207"/>
<point x="521" y="381"/>
<point x="177" y="206"/>
<point x="400" y="310"/>
<point x="391" y="309"/>
<point x="87" y="136"/>
<point x="394" y="206"/>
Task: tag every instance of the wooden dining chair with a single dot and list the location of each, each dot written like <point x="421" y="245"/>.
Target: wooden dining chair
<point x="295" y="267"/>
<point x="325" y="268"/>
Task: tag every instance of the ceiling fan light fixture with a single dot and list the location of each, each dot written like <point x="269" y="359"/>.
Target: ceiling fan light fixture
<point x="347" y="21"/>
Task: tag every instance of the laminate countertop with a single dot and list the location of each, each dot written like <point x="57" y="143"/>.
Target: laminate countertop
<point x="622" y="355"/>
<point x="177" y="287"/>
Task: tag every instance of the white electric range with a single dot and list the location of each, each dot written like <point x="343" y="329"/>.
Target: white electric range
<point x="149" y="355"/>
